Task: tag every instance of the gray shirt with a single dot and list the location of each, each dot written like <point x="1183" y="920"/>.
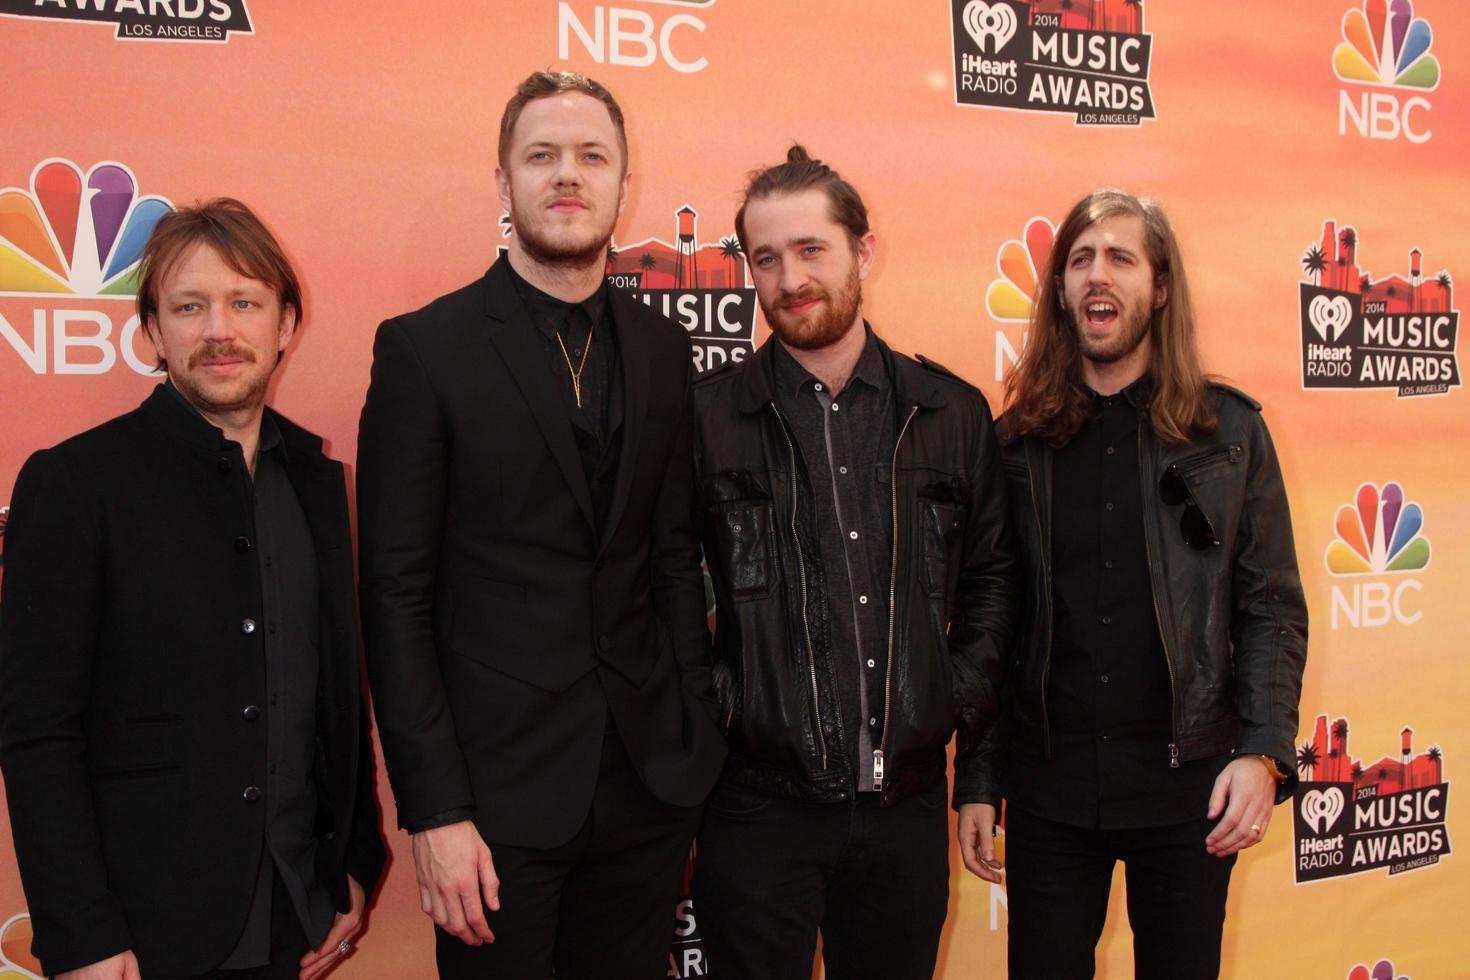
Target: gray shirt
<point x="846" y="446"/>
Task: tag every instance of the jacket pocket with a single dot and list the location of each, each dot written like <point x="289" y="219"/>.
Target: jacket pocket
<point x="742" y="531"/>
<point x="1205" y="466"/>
<point x="941" y="520"/>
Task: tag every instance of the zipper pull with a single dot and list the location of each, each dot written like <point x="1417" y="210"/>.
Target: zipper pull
<point x="1173" y="756"/>
<point x="877" y="770"/>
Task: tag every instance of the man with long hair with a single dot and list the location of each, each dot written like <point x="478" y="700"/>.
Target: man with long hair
<point x="865" y="581"/>
<point x="1151" y="703"/>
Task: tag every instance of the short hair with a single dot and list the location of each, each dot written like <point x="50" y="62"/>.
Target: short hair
<point x="799" y="173"/>
<point x="237" y="236"/>
<point x="544" y="84"/>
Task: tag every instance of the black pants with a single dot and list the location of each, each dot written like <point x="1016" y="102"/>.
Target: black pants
<point x="772" y="872"/>
<point x="599" y="907"/>
<point x="1057" y="882"/>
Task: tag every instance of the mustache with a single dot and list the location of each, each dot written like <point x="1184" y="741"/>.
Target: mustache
<point x="227" y="349"/>
<point x="787" y="300"/>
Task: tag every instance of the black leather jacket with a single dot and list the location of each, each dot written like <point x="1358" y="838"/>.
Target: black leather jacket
<point x="1233" y="618"/>
<point x="952" y="594"/>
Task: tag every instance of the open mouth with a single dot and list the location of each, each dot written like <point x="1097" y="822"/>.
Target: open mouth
<point x="1100" y="312"/>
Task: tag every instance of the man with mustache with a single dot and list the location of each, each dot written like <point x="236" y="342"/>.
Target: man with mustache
<point x="532" y="600"/>
<point x="853" y="519"/>
<point x="1151" y="706"/>
<point x="186" y="756"/>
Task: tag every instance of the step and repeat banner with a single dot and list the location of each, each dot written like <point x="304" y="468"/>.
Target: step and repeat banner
<point x="1312" y="155"/>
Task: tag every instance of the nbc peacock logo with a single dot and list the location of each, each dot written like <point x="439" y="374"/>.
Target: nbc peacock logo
<point x="16" y="960"/>
<point x="1384" y="54"/>
<point x="1379" y="532"/>
<point x="75" y="233"/>
<point x="1378" y="542"/>
<point x="1385" y="44"/>
<point x="1011" y="298"/>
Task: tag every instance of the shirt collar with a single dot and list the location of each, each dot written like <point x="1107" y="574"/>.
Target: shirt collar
<point x="1136" y="394"/>
<point x="792" y="379"/>
<point x="270" y="432"/>
<point x="548" y="312"/>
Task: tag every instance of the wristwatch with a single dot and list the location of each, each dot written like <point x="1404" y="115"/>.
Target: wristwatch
<point x="1273" y="767"/>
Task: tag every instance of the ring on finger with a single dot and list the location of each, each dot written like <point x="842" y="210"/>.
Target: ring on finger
<point x="343" y="948"/>
<point x="1257" y="829"/>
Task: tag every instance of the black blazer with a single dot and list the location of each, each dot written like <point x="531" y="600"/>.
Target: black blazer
<point x="124" y="670"/>
<point x="497" y="622"/>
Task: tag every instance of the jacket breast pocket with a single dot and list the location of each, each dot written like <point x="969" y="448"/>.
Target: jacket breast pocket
<point x="941" y="522"/>
<point x="742" y="531"/>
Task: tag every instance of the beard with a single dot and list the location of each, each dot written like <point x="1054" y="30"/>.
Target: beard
<point x="565" y="249"/>
<point x="1133" y="327"/>
<point x="245" y="392"/>
<point x="822" y="328"/>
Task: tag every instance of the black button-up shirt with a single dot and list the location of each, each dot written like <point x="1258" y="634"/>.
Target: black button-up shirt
<point x="579" y="339"/>
<point x="846" y="445"/>
<point x="1109" y="700"/>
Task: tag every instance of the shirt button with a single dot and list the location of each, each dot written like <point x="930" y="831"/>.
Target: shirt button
<point x="872" y="721"/>
<point x="852" y="534"/>
<point x="735" y="528"/>
<point x="251" y="794"/>
<point x="1108" y="563"/>
<point x="1107" y="620"/>
<point x="603" y="643"/>
<point x="834" y="406"/>
<point x="1111" y="450"/>
<point x="863" y="599"/>
<point x="842" y="469"/>
<point x="1108" y="505"/>
<point x="1104" y="678"/>
<point x="872" y="663"/>
<point x="818" y="386"/>
<point x="224" y="465"/>
<point x="242" y="544"/>
<point x="247" y="626"/>
<point x="250" y="713"/>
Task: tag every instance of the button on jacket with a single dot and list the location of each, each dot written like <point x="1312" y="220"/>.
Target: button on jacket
<point x="131" y="646"/>
<point x="951" y="587"/>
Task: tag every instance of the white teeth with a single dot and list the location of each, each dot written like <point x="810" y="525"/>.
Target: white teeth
<point x="1100" y="308"/>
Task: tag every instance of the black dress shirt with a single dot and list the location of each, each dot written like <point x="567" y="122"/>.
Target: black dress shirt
<point x="1109" y="698"/>
<point x="846" y="443"/>
<point x="569" y="333"/>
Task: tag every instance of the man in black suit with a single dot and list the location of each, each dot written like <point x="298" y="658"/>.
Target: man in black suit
<point x="181" y="723"/>
<point x="533" y="605"/>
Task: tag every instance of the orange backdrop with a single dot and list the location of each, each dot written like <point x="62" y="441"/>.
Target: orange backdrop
<point x="365" y="134"/>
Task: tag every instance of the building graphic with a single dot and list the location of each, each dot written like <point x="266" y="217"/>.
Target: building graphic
<point x="1395" y="331"/>
<point x="1121" y="16"/>
<point x="1352" y="815"/>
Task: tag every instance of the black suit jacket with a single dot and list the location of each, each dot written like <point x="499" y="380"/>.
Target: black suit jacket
<point x="500" y="626"/>
<point x="124" y="670"/>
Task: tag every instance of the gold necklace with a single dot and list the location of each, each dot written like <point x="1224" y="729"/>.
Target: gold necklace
<point x="576" y="372"/>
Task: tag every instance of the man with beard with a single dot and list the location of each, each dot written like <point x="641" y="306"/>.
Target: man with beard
<point x="533" y="606"/>
<point x="853" y="520"/>
<point x="1151" y="705"/>
<point x="185" y="747"/>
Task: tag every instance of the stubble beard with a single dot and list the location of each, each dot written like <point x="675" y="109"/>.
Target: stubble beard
<point x="567" y="254"/>
<point x="1135" y="326"/>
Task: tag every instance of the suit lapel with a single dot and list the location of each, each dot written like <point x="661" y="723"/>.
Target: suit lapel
<point x="634" y="352"/>
<point x="515" y="340"/>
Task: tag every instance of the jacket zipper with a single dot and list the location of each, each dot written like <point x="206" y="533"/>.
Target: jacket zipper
<point x="1046" y="585"/>
<point x="882" y="748"/>
<point x="811" y="657"/>
<point x="1159" y="623"/>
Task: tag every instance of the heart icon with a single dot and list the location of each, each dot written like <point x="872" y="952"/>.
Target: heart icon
<point x="1321" y="808"/>
<point x="984" y="20"/>
<point x="1329" y="316"/>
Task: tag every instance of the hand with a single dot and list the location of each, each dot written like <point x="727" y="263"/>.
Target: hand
<point x="977" y="841"/>
<point x="123" y="966"/>
<point x="1245" y="792"/>
<point x="454" y="871"/>
<point x="346" y="925"/>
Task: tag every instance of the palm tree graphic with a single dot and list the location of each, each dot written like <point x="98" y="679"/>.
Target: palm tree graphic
<point x="730" y="250"/>
<point x="1307" y="758"/>
<point x="1314" y="263"/>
